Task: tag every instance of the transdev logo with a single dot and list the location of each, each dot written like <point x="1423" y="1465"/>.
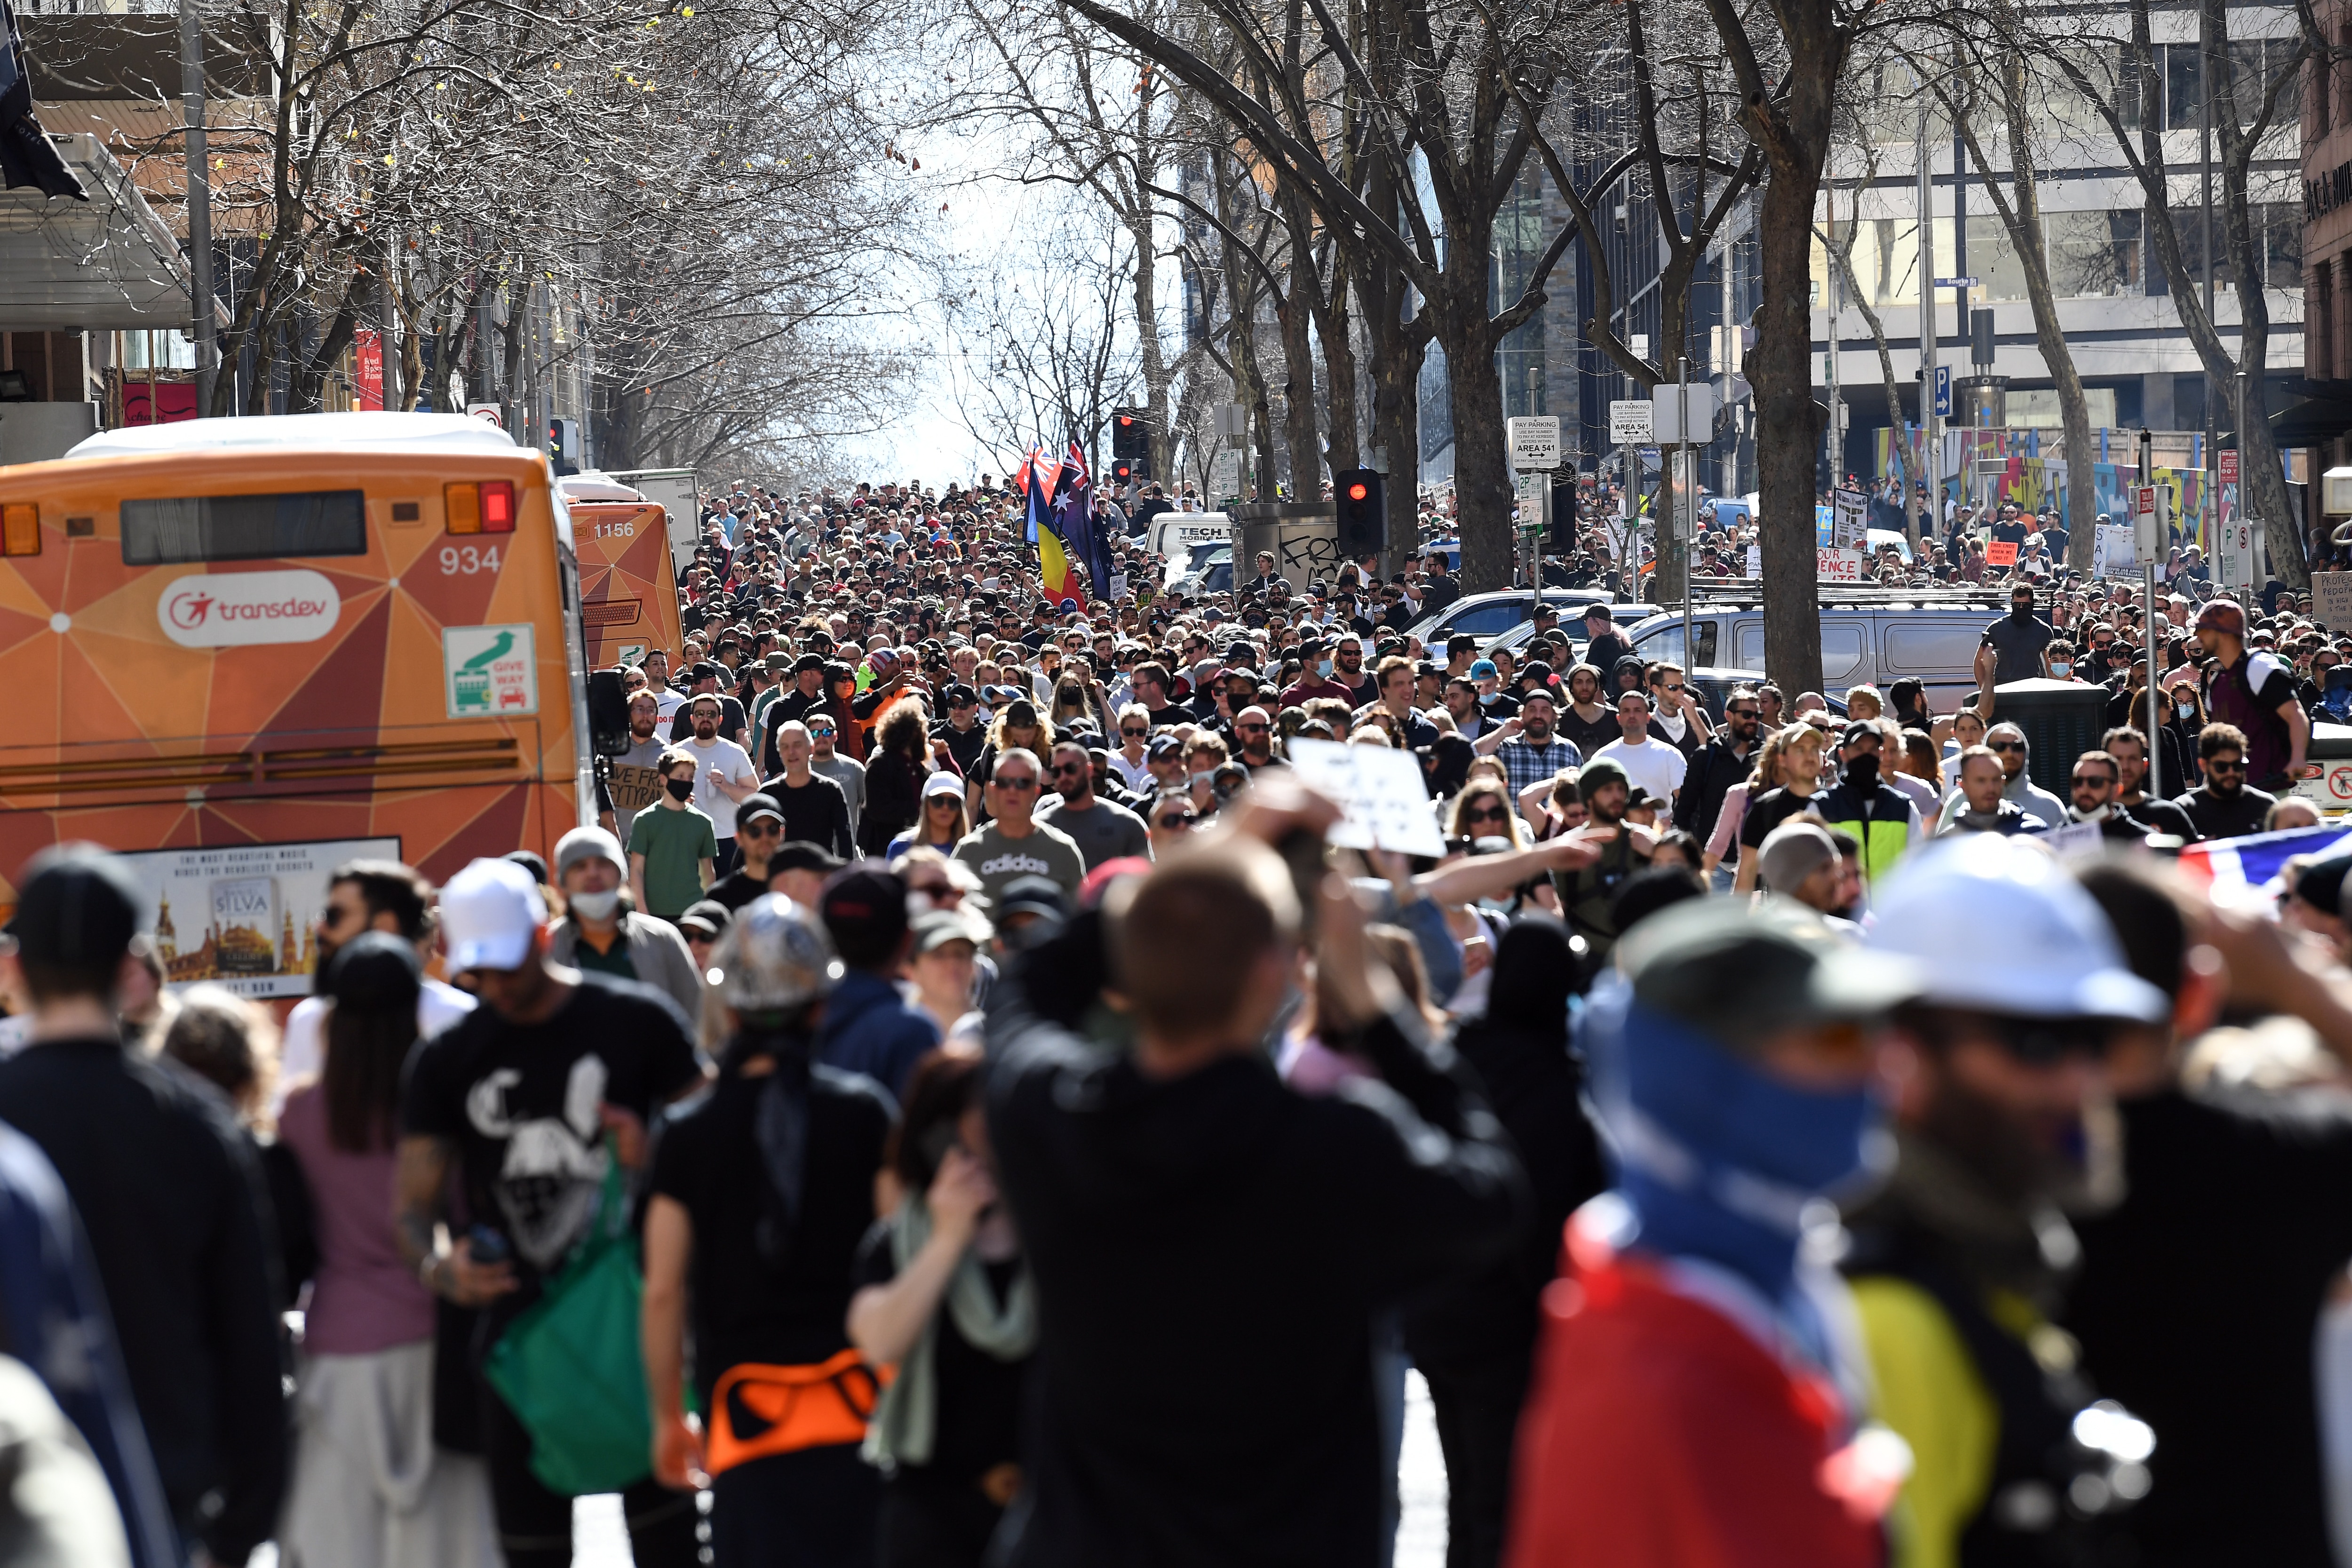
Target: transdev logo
<point x="237" y="609"/>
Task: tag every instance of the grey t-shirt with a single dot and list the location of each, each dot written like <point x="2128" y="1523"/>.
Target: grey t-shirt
<point x="1102" y="831"/>
<point x="850" y="775"/>
<point x="997" y="858"/>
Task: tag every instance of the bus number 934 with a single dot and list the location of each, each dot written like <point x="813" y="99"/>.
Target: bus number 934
<point x="466" y="561"/>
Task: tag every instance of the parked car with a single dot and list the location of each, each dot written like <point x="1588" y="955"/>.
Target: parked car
<point x="1875" y="640"/>
<point x="1491" y="616"/>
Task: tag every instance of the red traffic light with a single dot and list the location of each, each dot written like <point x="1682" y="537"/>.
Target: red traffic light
<point x="1359" y="490"/>
<point x="1124" y="421"/>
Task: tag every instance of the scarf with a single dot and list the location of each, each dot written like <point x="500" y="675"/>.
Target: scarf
<point x="905" y="1422"/>
<point x="1721" y="1161"/>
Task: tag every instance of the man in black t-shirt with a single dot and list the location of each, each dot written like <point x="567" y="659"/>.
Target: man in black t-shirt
<point x="759" y="1230"/>
<point x="533" y="1097"/>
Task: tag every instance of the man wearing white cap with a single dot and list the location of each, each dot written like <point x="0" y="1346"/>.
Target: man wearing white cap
<point x="2004" y="1128"/>
<point x="530" y="1098"/>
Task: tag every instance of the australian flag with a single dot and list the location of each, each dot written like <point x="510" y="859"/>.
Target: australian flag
<point x="1075" y="521"/>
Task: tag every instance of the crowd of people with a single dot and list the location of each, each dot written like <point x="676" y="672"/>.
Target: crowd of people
<point x="972" y="1113"/>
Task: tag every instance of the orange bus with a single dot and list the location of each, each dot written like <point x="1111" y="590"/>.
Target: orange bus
<point x="628" y="586"/>
<point x="241" y="651"/>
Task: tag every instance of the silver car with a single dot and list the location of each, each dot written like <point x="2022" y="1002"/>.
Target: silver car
<point x="1876" y="641"/>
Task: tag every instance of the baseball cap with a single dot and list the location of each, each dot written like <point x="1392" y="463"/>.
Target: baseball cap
<point x="943" y="783"/>
<point x="865" y="911"/>
<point x="1484" y="669"/>
<point x="751" y="807"/>
<point x="588" y="844"/>
<point x="1163" y="746"/>
<point x="1793" y="968"/>
<point x="960" y="695"/>
<point x="2223" y="615"/>
<point x="490" y="913"/>
<point x="77" y="905"/>
<point x="1033" y="895"/>
<point x="1241" y="653"/>
<point x="1996" y="925"/>
<point x="706" y="918"/>
<point x="800" y="855"/>
<point x="939" y="927"/>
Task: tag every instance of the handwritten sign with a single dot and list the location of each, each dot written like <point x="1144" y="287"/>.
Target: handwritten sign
<point x="2073" y="840"/>
<point x="1380" y="793"/>
<point x="2001" y="553"/>
<point x="1840" y="565"/>
<point x="2331" y="600"/>
<point x="634" y="788"/>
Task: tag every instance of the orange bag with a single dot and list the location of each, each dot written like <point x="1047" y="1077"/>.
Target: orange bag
<point x="759" y="1410"/>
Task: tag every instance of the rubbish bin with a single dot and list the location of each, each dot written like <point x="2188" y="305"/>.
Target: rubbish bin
<point x="2061" y="719"/>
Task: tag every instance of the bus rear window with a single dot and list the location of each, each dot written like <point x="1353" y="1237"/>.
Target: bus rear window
<point x="244" y="528"/>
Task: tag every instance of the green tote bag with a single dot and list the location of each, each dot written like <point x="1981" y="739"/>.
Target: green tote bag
<point x="571" y="1367"/>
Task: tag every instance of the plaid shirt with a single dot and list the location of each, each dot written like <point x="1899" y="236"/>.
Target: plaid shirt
<point x="1527" y="763"/>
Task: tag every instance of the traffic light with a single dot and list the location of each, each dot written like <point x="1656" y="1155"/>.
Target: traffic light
<point x="1130" y="435"/>
<point x="1559" y="538"/>
<point x="563" y="446"/>
<point x="1362" y="512"/>
<point x="1122" y="472"/>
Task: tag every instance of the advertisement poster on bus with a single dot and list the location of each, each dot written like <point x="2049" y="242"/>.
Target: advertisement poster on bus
<point x="243" y="915"/>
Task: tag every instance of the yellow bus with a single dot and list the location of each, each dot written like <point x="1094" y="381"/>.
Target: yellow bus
<point x="241" y="651"/>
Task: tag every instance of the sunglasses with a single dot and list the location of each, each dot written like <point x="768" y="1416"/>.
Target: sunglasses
<point x="1068" y="770"/>
<point x="1175" y="821"/>
<point x="820" y="729"/>
<point x="2225" y="764"/>
<point x="2091" y="781"/>
<point x="1125" y="730"/>
<point x="1744" y="712"/>
<point x="2017" y="746"/>
<point x="1017" y="784"/>
<point x="766" y="827"/>
<point x="1492" y="814"/>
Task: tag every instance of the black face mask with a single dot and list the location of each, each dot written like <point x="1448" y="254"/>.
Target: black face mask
<point x="679" y="789"/>
<point x="2020" y="612"/>
<point x="1862" y="772"/>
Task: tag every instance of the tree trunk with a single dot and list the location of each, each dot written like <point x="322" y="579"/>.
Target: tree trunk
<point x="1788" y="429"/>
<point x="1298" y="391"/>
<point x="1481" y="475"/>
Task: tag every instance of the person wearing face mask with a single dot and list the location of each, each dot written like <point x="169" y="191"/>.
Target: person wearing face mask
<point x="1879" y="817"/>
<point x="2012" y="647"/>
<point x="1696" y="1399"/>
<point x="2058" y="661"/>
<point x="2004" y="1134"/>
<point x="601" y="932"/>
<point x="672" y="847"/>
<point x="1494" y="702"/>
<point x="1314" y="679"/>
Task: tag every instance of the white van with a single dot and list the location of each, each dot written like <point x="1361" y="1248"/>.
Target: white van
<point x="1878" y="639"/>
<point x="1173" y="535"/>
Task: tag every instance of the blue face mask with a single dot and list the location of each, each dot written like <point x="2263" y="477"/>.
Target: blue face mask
<point x="1323" y="667"/>
<point x="1717" y="1159"/>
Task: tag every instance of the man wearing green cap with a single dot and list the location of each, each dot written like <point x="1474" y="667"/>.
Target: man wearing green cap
<point x="1588" y="893"/>
<point x="1697" y="1400"/>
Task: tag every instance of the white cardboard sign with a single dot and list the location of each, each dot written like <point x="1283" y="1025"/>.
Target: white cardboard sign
<point x="1379" y="792"/>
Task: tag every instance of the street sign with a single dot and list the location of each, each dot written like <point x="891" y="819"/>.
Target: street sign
<point x="1666" y="412"/>
<point x="1943" y="392"/>
<point x="1528" y="488"/>
<point x="1956" y="282"/>
<point x="2237" y="553"/>
<point x="2229" y="466"/>
<point x="490" y="412"/>
<point x="1639" y="344"/>
<point x="1232" y="420"/>
<point x="2150" y="523"/>
<point x="1535" y="441"/>
<point x="1630" y="422"/>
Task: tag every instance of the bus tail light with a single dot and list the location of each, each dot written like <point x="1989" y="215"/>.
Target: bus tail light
<point x="497" y="506"/>
<point x="488" y="506"/>
<point x="20" y="530"/>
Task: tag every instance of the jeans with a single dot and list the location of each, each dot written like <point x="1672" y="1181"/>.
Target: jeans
<point x="1723" y="875"/>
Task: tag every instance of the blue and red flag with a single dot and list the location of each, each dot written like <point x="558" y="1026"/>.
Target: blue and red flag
<point x="2225" y="865"/>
